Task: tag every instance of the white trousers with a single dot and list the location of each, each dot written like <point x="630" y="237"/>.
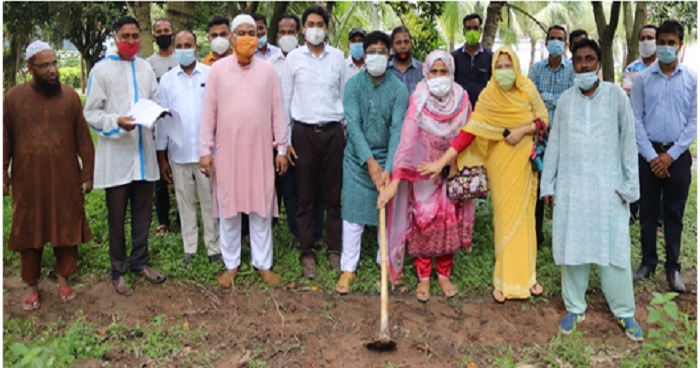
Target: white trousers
<point x="189" y="184"/>
<point x="352" y="243"/>
<point x="260" y="241"/>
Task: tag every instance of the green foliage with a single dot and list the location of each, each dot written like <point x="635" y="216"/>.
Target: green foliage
<point x="572" y="350"/>
<point x="673" y="341"/>
<point x="71" y="76"/>
<point x="62" y="344"/>
<point x="420" y="18"/>
<point x="686" y="12"/>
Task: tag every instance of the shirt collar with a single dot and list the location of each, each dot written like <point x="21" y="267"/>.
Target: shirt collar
<point x="197" y="69"/>
<point x="305" y="49"/>
<point x="480" y="50"/>
<point x="656" y="68"/>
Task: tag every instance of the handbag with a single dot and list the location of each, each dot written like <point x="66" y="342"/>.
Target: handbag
<point x="538" y="148"/>
<point x="472" y="182"/>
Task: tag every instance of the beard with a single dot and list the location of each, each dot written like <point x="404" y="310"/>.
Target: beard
<point x="402" y="56"/>
<point x="46" y="87"/>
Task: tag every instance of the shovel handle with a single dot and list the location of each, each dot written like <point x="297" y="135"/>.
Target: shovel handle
<point x="385" y="285"/>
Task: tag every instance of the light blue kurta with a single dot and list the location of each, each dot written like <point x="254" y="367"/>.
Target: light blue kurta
<point x="374" y="116"/>
<point x="590" y="167"/>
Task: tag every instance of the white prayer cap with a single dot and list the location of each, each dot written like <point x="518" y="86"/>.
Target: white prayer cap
<point x="241" y="19"/>
<point x="35" y="48"/>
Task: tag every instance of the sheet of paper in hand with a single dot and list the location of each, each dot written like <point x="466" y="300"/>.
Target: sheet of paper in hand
<point x="146" y="112"/>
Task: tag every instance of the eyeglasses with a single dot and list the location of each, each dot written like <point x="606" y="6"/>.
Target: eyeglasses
<point x="377" y="51"/>
<point x="46" y="66"/>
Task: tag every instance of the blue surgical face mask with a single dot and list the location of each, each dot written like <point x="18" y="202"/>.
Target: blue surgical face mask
<point x="185" y="57"/>
<point x="262" y="41"/>
<point x="666" y="54"/>
<point x="585" y="81"/>
<point x="555" y="47"/>
<point x="356" y="50"/>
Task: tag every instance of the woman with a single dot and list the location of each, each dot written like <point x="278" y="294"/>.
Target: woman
<point x="421" y="214"/>
<point x="509" y="111"/>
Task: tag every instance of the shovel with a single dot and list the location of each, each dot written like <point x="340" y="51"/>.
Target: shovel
<point x="384" y="343"/>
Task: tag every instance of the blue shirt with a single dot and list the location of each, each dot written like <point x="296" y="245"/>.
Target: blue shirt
<point x="552" y="83"/>
<point x="412" y="76"/>
<point x="665" y="109"/>
<point x="630" y="74"/>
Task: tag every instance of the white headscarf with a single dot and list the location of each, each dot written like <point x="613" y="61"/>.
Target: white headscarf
<point x="35" y="48"/>
<point x="241" y="19"/>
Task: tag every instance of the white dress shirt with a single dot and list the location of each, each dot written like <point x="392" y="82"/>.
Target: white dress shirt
<point x="182" y="94"/>
<point x="272" y="50"/>
<point x="313" y="86"/>
<point x="351" y="69"/>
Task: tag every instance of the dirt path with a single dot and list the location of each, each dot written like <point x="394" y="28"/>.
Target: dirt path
<point x="289" y="328"/>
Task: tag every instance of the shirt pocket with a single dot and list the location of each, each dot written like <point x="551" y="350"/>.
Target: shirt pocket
<point x="683" y="96"/>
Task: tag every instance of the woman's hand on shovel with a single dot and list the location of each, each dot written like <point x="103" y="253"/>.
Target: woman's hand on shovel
<point x="387" y="193"/>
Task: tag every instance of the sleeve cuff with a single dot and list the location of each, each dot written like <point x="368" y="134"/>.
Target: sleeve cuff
<point x="676" y="151"/>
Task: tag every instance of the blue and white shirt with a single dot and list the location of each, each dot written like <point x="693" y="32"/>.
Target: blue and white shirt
<point x="113" y="87"/>
<point x="552" y="83"/>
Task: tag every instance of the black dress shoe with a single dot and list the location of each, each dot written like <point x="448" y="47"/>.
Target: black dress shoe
<point x="644" y="272"/>
<point x="675" y="281"/>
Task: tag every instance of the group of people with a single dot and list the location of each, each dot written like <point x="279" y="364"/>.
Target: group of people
<point x="254" y="125"/>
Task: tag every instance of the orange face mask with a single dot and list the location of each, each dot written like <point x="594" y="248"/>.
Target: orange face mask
<point x="245" y="48"/>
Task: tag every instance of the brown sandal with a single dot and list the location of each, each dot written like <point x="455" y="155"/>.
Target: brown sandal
<point x="447" y="287"/>
<point x="343" y="285"/>
<point x="423" y="291"/>
<point x="226" y="278"/>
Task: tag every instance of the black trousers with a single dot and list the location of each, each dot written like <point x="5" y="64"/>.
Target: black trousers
<point x="140" y="195"/>
<point x="539" y="215"/>
<point x="675" y="195"/>
<point x="320" y="150"/>
<point x="162" y="199"/>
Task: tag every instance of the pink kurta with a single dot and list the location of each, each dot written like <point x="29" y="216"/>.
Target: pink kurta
<point x="242" y="109"/>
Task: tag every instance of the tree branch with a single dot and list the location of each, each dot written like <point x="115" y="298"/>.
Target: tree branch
<point x="544" y="29"/>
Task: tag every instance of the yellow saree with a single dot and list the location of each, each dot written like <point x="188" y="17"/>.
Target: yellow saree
<point x="512" y="181"/>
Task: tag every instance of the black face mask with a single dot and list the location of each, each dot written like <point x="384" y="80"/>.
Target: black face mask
<point x="164" y="41"/>
<point x="402" y="56"/>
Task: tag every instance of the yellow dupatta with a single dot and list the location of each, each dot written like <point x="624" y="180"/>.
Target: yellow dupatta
<point x="497" y="109"/>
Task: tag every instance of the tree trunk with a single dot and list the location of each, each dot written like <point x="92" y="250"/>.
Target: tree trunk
<point x="606" y="32"/>
<point x="640" y="17"/>
<point x="143" y="15"/>
<point x="10" y="63"/>
<point x="231" y="9"/>
<point x="181" y="14"/>
<point x="82" y="74"/>
<point x="533" y="47"/>
<point x="493" y="18"/>
<point x="277" y="12"/>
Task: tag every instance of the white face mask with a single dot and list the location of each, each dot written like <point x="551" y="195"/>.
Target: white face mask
<point x="376" y="64"/>
<point x="220" y="45"/>
<point x="315" y="36"/>
<point x="440" y="86"/>
<point x="647" y="48"/>
<point x="288" y="43"/>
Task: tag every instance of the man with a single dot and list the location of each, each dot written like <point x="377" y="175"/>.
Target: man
<point x="288" y="33"/>
<point x="125" y="163"/>
<point x="403" y="65"/>
<point x="162" y="61"/>
<point x="591" y="210"/>
<point x="473" y="60"/>
<point x="240" y="126"/>
<point x="575" y="36"/>
<point x="355" y="62"/>
<point x="664" y="99"/>
<point x="265" y="50"/>
<point x="551" y="76"/>
<point x="48" y="151"/>
<point x="219" y="39"/>
<point x="286" y="185"/>
<point x="647" y="51"/>
<point x="374" y="103"/>
<point x="313" y="86"/>
<point x="182" y="91"/>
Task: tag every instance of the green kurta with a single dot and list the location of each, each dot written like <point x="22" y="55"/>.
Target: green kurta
<point x="374" y="116"/>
